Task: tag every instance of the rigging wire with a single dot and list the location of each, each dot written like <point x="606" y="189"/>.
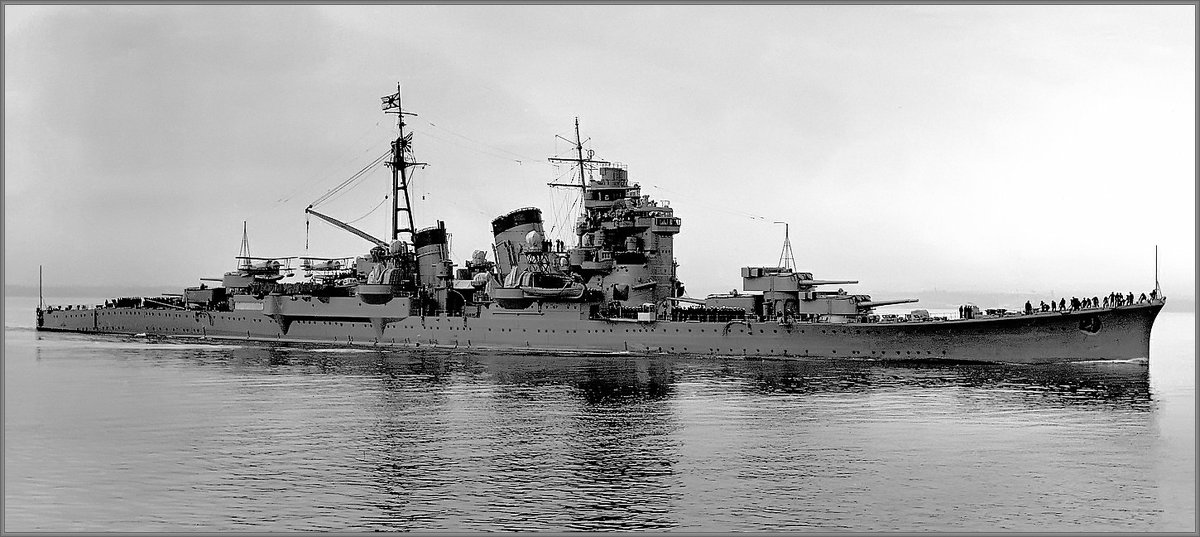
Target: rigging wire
<point x="570" y="214"/>
<point x="475" y="149"/>
<point x="377" y="206"/>
<point x="348" y="189"/>
<point x="412" y="177"/>
<point x="359" y="174"/>
<point x="325" y="197"/>
<point x="555" y="208"/>
<point x="325" y="173"/>
<point x="564" y="215"/>
<point x="692" y="199"/>
<point x="448" y="131"/>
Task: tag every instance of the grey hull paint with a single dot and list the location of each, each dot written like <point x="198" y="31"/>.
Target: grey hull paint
<point x="1124" y="333"/>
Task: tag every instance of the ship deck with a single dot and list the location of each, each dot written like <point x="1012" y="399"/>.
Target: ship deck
<point x="1089" y="334"/>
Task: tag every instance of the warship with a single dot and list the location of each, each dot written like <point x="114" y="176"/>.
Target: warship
<point x="614" y="291"/>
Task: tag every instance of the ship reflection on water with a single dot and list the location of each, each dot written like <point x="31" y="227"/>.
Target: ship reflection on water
<point x="326" y="438"/>
<point x="600" y="381"/>
<point x="509" y="442"/>
<point x="1120" y="383"/>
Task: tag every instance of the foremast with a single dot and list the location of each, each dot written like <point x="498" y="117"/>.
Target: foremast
<point x="401" y="161"/>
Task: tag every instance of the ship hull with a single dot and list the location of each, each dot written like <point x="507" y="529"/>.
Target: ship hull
<point x="1096" y="334"/>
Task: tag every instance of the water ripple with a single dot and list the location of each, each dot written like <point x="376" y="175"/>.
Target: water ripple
<point x="119" y="434"/>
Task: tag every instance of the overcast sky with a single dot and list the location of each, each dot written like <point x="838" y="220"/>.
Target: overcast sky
<point x="970" y="148"/>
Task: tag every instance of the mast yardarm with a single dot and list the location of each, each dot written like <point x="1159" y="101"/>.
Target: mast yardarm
<point x="579" y="161"/>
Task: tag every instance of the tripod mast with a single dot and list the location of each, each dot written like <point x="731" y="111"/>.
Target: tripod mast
<point x="786" y="259"/>
<point x="400" y="163"/>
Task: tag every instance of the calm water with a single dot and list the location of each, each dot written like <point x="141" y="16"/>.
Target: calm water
<point x="119" y="434"/>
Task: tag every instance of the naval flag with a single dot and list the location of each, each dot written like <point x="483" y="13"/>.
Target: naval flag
<point x="391" y="101"/>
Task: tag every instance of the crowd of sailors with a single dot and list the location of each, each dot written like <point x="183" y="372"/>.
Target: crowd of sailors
<point x="67" y="307"/>
<point x="1113" y="300"/>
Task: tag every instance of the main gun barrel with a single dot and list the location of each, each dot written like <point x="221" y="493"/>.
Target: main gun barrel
<point x="825" y="282"/>
<point x="877" y="303"/>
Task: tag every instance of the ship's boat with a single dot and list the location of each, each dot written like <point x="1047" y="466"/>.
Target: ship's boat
<point x="522" y="288"/>
<point x="616" y="289"/>
<point x="546" y="285"/>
